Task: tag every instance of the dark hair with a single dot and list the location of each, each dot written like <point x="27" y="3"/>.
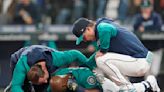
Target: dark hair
<point x="34" y="73"/>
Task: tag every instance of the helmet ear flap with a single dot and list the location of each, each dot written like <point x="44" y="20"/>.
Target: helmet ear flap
<point x="59" y="83"/>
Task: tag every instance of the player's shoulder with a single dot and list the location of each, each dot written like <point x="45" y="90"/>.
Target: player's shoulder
<point x="105" y="28"/>
<point x="103" y="25"/>
<point x="155" y="14"/>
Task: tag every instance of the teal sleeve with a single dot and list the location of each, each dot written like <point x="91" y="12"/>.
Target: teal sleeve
<point x="49" y="88"/>
<point x="19" y="74"/>
<point x="83" y="60"/>
<point x="91" y="62"/>
<point x="52" y="44"/>
<point x="105" y="32"/>
<point x="62" y="58"/>
<point x="77" y="56"/>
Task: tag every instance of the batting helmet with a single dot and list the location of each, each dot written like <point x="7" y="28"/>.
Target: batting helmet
<point x="59" y="83"/>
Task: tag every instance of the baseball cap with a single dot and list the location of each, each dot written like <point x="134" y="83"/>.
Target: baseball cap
<point x="79" y="27"/>
<point x="145" y="4"/>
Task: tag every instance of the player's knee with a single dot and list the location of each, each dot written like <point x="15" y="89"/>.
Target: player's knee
<point x="99" y="63"/>
<point x="141" y="71"/>
<point x="99" y="59"/>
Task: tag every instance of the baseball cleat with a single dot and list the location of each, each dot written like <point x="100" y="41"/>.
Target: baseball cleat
<point x="153" y="83"/>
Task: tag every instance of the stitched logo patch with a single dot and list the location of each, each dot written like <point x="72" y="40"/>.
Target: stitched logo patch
<point x="82" y="30"/>
<point x="91" y="80"/>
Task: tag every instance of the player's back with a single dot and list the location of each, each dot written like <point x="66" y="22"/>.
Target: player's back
<point x="124" y="42"/>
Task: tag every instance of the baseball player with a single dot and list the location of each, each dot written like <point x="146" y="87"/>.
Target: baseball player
<point x="120" y="52"/>
<point x="82" y="79"/>
<point x="39" y="58"/>
<point x="74" y="79"/>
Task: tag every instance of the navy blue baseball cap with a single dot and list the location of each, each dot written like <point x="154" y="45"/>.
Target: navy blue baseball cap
<point x="79" y="27"/>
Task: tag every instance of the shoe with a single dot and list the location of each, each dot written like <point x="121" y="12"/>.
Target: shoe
<point x="153" y="83"/>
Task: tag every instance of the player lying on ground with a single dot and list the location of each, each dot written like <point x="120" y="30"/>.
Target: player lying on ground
<point x="84" y="80"/>
<point x="120" y="51"/>
<point x="43" y="57"/>
<point x="74" y="79"/>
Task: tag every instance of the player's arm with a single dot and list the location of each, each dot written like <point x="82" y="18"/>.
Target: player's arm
<point x="105" y="32"/>
<point x="137" y="22"/>
<point x="19" y="74"/>
<point x="91" y="61"/>
<point x="82" y="59"/>
<point x="62" y="58"/>
<point x="75" y="55"/>
<point x="158" y="23"/>
<point x="48" y="88"/>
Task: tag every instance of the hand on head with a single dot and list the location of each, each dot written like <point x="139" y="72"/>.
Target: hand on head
<point x="98" y="54"/>
<point x="38" y="74"/>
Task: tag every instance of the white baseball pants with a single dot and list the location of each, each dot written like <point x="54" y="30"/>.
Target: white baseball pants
<point x="116" y="66"/>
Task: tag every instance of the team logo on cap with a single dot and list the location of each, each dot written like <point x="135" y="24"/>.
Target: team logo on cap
<point x="82" y="30"/>
<point x="91" y="80"/>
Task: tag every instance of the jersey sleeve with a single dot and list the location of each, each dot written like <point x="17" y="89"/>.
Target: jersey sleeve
<point x="19" y="74"/>
<point x="48" y="88"/>
<point x="63" y="58"/>
<point x="105" y="32"/>
<point x="91" y="62"/>
<point x="76" y="56"/>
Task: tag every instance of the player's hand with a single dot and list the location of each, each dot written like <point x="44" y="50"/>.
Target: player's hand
<point x="22" y="12"/>
<point x="26" y="16"/>
<point x="141" y="29"/>
<point x="98" y="54"/>
<point x="91" y="48"/>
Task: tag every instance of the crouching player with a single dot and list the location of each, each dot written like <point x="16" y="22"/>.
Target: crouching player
<point x="120" y="52"/>
<point x="39" y="58"/>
